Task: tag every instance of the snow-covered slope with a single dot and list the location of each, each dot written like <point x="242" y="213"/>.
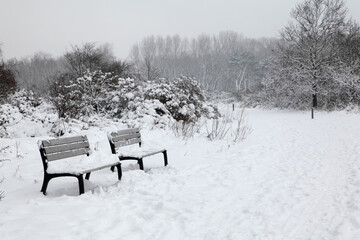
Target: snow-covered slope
<point x="292" y="178"/>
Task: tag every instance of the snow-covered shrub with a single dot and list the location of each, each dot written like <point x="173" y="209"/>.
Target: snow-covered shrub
<point x="6" y="117"/>
<point x="210" y="111"/>
<point x="129" y="99"/>
<point x="190" y="100"/>
<point x="167" y="94"/>
<point x="78" y="97"/>
<point x="93" y="88"/>
<point x="20" y="105"/>
<point x="148" y="112"/>
<point x="125" y="91"/>
<point x="183" y="98"/>
<point x="25" y="101"/>
<point x="160" y="89"/>
<point x="25" y="108"/>
<point x="65" y="95"/>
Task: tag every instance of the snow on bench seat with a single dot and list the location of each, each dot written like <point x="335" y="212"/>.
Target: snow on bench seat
<point x="138" y="152"/>
<point x="83" y="164"/>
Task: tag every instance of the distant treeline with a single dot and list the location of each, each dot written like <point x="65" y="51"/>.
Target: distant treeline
<point x="227" y="61"/>
<point x="314" y="63"/>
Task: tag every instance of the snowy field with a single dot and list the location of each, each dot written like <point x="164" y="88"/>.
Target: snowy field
<point x="292" y="178"/>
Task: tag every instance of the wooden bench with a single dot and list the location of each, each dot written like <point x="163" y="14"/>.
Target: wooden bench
<point x="72" y="156"/>
<point x="121" y="139"/>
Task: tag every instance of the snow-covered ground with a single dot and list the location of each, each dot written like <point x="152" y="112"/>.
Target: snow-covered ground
<point x="292" y="178"/>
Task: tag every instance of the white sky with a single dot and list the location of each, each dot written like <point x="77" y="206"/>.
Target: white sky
<point x="29" y="26"/>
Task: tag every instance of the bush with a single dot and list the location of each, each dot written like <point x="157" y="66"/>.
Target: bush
<point x="77" y="97"/>
<point x="129" y="99"/>
<point x="145" y="112"/>
<point x="32" y="111"/>
<point x="190" y="100"/>
<point x="116" y="101"/>
<point x="65" y="95"/>
<point x="25" y="101"/>
<point x="93" y="87"/>
<point x="20" y="105"/>
<point x="183" y="98"/>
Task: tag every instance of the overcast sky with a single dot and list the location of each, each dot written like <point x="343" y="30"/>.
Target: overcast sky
<point x="29" y="26"/>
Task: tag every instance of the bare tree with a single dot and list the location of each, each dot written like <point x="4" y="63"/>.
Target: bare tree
<point x="83" y="58"/>
<point x="148" y="53"/>
<point x="311" y="42"/>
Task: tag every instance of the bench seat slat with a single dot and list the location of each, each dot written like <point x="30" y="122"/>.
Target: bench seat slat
<point x="125" y="137"/>
<point x="67" y="154"/>
<point x="61" y="141"/>
<point x="127" y="142"/>
<point x="124" y="132"/>
<point x="66" y="147"/>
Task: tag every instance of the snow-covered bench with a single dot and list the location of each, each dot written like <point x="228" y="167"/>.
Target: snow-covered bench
<point x="123" y="144"/>
<point x="72" y="156"/>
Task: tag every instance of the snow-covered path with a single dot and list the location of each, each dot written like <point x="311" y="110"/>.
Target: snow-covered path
<point x="310" y="184"/>
<point x="292" y="178"/>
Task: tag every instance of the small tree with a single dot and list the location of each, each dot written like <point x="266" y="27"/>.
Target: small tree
<point x="90" y="57"/>
<point x="144" y="55"/>
<point x="310" y="53"/>
<point x="311" y="41"/>
<point x="83" y="58"/>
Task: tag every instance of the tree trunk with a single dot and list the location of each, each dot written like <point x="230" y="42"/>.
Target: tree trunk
<point x="314" y="100"/>
<point x="314" y="96"/>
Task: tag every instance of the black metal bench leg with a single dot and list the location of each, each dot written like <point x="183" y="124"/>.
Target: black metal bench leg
<point x="141" y="164"/>
<point x="112" y="168"/>
<point x="165" y="158"/>
<point x="81" y="184"/>
<point x="87" y="176"/>
<point x="45" y="184"/>
<point x="119" y="170"/>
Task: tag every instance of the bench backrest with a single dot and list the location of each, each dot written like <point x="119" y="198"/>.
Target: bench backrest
<point x="60" y="148"/>
<point x="124" y="138"/>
